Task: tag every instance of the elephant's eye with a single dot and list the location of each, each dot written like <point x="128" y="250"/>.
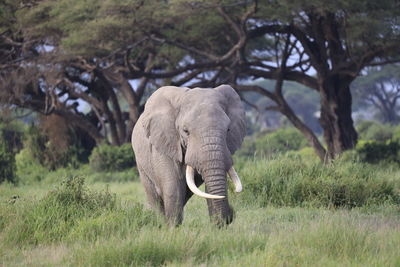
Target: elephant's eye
<point x="185" y="130"/>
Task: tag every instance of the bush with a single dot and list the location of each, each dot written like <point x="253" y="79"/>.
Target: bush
<point x="396" y="134"/>
<point x="289" y="181"/>
<point x="28" y="169"/>
<point x="370" y="130"/>
<point x="69" y="153"/>
<point x="375" y="152"/>
<point x="35" y="144"/>
<point x="267" y="144"/>
<point x="112" y="158"/>
<point x="11" y="134"/>
<point x="7" y="164"/>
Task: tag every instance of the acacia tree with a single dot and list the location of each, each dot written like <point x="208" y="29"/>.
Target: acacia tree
<point x="380" y="87"/>
<point x="90" y="52"/>
<point x="321" y="44"/>
<point x="66" y="72"/>
<point x="21" y="81"/>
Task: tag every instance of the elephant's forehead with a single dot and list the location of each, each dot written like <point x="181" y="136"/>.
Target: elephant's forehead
<point x="203" y="96"/>
<point x="205" y="113"/>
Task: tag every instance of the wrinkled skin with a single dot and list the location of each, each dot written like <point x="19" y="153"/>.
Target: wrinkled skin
<point x="197" y="127"/>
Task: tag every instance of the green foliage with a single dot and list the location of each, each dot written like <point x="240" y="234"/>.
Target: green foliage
<point x="7" y="164"/>
<point x="268" y="144"/>
<point x="10" y="142"/>
<point x="375" y="90"/>
<point x="50" y="155"/>
<point x="289" y="181"/>
<point x="378" y="143"/>
<point x="28" y="168"/>
<point x="371" y="130"/>
<point x="375" y="152"/>
<point x="7" y="14"/>
<point x="303" y="101"/>
<point x="35" y="143"/>
<point x="396" y="134"/>
<point x="112" y="158"/>
<point x="11" y="134"/>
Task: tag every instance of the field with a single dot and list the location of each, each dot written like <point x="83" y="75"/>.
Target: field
<point x="105" y="224"/>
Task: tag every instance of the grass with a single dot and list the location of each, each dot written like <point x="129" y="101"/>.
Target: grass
<point x="291" y="181"/>
<point x="105" y="225"/>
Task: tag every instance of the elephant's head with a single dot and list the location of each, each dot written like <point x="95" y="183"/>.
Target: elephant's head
<point x="201" y="128"/>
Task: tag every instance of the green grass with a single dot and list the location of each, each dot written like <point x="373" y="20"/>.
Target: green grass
<point x="290" y="181"/>
<point x="106" y="225"/>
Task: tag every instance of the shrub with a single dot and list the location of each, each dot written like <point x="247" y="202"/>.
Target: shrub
<point x="396" y="134"/>
<point x="11" y="134"/>
<point x="35" y="143"/>
<point x="289" y="181"/>
<point x="68" y="153"/>
<point x="267" y="144"/>
<point x="28" y="169"/>
<point x="7" y="164"/>
<point x="375" y="152"/>
<point x="370" y="130"/>
<point x="112" y="158"/>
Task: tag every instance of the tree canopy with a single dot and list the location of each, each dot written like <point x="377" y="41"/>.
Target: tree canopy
<point x="59" y="54"/>
<point x="379" y="88"/>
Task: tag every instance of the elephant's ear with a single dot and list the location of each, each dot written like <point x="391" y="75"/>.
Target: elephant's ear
<point x="235" y="111"/>
<point x="159" y="122"/>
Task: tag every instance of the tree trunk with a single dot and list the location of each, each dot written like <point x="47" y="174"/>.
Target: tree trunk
<point x="307" y="132"/>
<point x="283" y="107"/>
<point x="83" y="124"/>
<point x="335" y="119"/>
<point x="117" y="114"/>
<point x="133" y="104"/>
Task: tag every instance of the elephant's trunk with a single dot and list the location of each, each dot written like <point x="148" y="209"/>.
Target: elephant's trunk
<point x="216" y="162"/>
<point x="216" y="184"/>
<point x="213" y="161"/>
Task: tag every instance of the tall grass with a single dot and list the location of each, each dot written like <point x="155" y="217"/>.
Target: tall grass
<point x="291" y="181"/>
<point x="68" y="212"/>
<point x="276" y="223"/>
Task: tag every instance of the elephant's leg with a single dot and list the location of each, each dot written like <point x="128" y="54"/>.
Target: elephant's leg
<point x="153" y="197"/>
<point x="174" y="195"/>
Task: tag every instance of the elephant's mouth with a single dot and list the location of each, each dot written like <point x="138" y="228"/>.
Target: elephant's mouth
<point x="192" y="186"/>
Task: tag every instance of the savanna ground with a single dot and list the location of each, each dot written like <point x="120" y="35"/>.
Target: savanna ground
<point x="293" y="212"/>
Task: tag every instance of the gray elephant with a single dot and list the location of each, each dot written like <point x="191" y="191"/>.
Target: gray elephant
<point x="186" y="137"/>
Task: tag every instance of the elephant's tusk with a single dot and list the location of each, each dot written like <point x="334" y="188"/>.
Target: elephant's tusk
<point x="235" y="179"/>
<point x="192" y="186"/>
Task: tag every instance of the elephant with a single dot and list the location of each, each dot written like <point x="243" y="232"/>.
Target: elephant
<point x="185" y="137"/>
